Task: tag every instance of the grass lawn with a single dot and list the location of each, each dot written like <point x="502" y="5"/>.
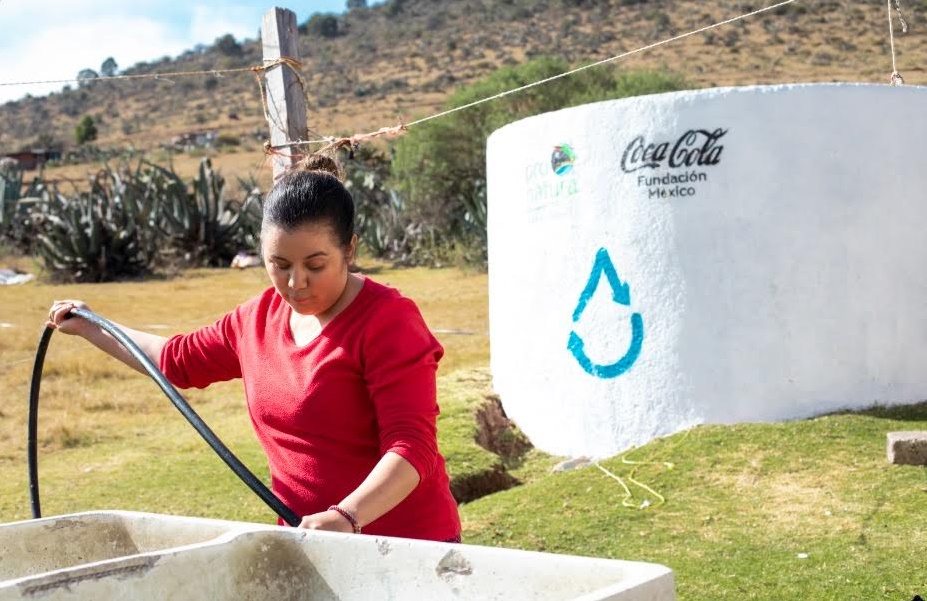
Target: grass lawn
<point x="799" y="510"/>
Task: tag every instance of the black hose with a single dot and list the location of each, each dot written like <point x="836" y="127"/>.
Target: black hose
<point x="288" y="515"/>
<point x="32" y="446"/>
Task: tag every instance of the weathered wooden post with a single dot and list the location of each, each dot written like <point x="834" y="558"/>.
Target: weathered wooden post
<point x="286" y="100"/>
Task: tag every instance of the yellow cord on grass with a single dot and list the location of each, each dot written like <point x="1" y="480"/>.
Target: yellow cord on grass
<point x="626" y="500"/>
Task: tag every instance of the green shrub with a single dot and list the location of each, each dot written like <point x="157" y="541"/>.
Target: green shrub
<point x="439" y="167"/>
<point x="86" y="130"/>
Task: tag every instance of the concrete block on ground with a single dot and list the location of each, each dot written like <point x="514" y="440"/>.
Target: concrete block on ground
<point x="907" y="448"/>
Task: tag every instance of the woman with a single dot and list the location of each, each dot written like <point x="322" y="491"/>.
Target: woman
<point x="338" y="371"/>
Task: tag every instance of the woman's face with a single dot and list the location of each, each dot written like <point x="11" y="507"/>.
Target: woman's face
<point x="307" y="265"/>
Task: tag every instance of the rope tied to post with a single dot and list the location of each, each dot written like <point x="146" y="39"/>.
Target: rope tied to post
<point x="896" y="79"/>
<point x="330" y="143"/>
<point x="295" y="66"/>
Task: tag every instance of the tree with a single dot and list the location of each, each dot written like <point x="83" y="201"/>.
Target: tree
<point x="85" y="76"/>
<point x="86" y="130"/>
<point x="109" y="67"/>
<point x="322" y="25"/>
<point x="440" y="167"/>
<point x="394" y="7"/>
<point x="228" y="46"/>
<point x="352" y="4"/>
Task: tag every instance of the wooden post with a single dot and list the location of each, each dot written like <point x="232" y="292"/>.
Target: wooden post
<point x="286" y="100"/>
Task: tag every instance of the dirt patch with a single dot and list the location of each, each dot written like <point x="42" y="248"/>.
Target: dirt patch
<point x="498" y="435"/>
<point x="474" y="486"/>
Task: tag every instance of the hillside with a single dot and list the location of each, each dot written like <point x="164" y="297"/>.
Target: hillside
<point x="401" y="59"/>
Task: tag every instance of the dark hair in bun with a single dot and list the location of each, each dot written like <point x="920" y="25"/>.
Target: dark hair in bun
<point x="323" y="163"/>
<point x="310" y="193"/>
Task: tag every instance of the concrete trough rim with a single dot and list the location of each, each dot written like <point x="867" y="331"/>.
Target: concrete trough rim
<point x="588" y="576"/>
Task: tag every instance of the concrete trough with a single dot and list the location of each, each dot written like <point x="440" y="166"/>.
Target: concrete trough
<point x="127" y="555"/>
<point x="46" y="545"/>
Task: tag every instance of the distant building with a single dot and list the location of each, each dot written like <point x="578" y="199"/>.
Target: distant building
<point x="27" y="160"/>
<point x="194" y="139"/>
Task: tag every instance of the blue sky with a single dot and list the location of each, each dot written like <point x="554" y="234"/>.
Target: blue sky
<point x="54" y="39"/>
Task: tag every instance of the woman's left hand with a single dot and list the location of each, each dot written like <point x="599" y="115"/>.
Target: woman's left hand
<point x="331" y="521"/>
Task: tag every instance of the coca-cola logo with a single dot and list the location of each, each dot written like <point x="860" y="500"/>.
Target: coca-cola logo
<point x="695" y="148"/>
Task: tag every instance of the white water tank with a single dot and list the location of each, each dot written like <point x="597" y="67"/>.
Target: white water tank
<point x="722" y="255"/>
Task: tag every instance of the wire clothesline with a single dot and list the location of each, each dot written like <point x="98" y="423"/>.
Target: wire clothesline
<point x="295" y="65"/>
<point x="166" y="76"/>
<point x="391" y="131"/>
<point x="333" y="142"/>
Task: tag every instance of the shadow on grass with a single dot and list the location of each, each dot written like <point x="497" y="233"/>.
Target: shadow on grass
<point x="916" y="412"/>
<point x="183" y="272"/>
<point x="863" y="539"/>
<point x="371" y="270"/>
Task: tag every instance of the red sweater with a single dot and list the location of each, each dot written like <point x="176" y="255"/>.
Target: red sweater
<point x="326" y="413"/>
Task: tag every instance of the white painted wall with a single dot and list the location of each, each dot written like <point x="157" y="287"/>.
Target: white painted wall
<point x="786" y="279"/>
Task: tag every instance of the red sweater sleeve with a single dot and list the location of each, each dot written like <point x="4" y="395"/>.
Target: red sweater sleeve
<point x="400" y="358"/>
<point x="204" y="356"/>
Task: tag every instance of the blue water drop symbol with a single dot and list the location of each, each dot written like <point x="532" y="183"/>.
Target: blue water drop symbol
<point x="621" y="294"/>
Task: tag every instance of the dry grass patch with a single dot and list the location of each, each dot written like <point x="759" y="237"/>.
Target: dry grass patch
<point x="798" y="502"/>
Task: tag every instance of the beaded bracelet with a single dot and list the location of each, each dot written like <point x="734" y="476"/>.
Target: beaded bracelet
<point x="348" y="516"/>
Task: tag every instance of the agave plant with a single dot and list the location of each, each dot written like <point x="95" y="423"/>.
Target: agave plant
<point x="204" y="226"/>
<point x="99" y="235"/>
<point x="11" y="183"/>
<point x="475" y="215"/>
<point x="381" y="224"/>
<point x="252" y="214"/>
<point x="474" y="236"/>
<point x="16" y="204"/>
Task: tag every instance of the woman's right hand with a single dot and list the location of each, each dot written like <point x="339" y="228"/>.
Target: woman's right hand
<point x="58" y="319"/>
<point x="150" y="344"/>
